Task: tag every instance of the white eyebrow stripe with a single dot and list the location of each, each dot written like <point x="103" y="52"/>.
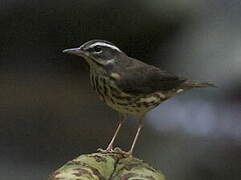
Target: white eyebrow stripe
<point x="106" y="45"/>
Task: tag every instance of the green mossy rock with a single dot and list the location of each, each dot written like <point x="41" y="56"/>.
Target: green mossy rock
<point x="106" y="166"/>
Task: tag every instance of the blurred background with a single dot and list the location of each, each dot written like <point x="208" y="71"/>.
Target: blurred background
<point x="49" y="113"/>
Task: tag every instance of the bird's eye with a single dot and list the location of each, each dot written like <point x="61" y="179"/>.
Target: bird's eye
<point x="97" y="49"/>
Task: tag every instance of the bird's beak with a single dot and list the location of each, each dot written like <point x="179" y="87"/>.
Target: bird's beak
<point x="76" y="51"/>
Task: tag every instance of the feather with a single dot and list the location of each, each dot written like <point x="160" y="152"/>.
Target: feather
<point x="137" y="77"/>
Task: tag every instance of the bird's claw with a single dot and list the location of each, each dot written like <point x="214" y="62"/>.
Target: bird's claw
<point x="115" y="150"/>
<point x="105" y="150"/>
<point x="124" y="153"/>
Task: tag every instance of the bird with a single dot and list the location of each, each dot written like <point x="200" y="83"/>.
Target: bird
<point x="127" y="85"/>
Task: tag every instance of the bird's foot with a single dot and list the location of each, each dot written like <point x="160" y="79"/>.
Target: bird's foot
<point x="115" y="150"/>
<point x="109" y="149"/>
<point x="124" y="153"/>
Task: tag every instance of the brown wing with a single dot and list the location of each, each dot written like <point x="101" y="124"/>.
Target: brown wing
<point x="141" y="78"/>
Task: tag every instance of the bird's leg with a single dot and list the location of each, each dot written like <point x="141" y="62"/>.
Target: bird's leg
<point x="140" y="125"/>
<point x="121" y="120"/>
<point x="129" y="153"/>
<point x="110" y="146"/>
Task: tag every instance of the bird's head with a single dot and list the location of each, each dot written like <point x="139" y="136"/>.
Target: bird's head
<point x="97" y="52"/>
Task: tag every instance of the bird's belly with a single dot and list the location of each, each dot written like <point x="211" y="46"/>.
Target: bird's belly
<point x="138" y="105"/>
<point x="123" y="102"/>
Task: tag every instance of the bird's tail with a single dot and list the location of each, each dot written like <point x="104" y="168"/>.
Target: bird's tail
<point x="192" y="84"/>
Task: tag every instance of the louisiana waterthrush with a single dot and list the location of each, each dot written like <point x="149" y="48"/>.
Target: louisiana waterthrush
<point x="128" y="85"/>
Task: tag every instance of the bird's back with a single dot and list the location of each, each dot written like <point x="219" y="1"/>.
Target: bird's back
<point x="137" y="77"/>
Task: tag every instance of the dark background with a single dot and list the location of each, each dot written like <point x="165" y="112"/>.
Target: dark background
<point x="49" y="113"/>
